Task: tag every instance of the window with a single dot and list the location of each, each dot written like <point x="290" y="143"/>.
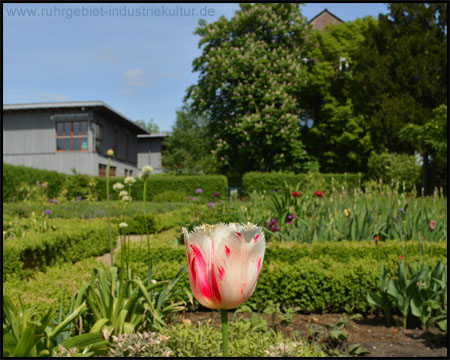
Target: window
<point x="71" y="136"/>
<point x="343" y="64"/>
<point x="306" y="119"/>
<point x="126" y="172"/>
<point x="130" y="173"/>
<point x="102" y="169"/>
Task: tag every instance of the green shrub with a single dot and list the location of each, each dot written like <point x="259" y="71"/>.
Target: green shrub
<point x="136" y="224"/>
<point x="291" y="253"/>
<point x="89" y="210"/>
<point x="43" y="289"/>
<point x="170" y="196"/>
<point x="315" y="277"/>
<point x="331" y="277"/>
<point x="393" y="168"/>
<point x="83" y="185"/>
<point x="246" y="338"/>
<point x="155" y="222"/>
<point x="13" y="174"/>
<point x="74" y="240"/>
<point x="160" y="183"/>
<point x="311" y="182"/>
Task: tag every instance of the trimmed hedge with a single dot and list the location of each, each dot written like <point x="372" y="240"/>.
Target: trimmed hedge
<point x="155" y="222"/>
<point x="329" y="277"/>
<point x="73" y="241"/>
<point x="13" y="175"/>
<point x="317" y="278"/>
<point x="160" y="183"/>
<point x="257" y="181"/>
<point x="343" y="252"/>
<point x="157" y="183"/>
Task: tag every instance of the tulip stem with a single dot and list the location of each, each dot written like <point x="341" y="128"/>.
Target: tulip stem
<point x="224" y="315"/>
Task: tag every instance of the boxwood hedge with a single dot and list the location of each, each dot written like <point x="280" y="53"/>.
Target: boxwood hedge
<point x="71" y="242"/>
<point x="316" y="278"/>
<point x="157" y="183"/>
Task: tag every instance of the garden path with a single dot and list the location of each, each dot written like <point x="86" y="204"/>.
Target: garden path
<point x="133" y="238"/>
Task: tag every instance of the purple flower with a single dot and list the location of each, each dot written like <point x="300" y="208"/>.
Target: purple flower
<point x="272" y="190"/>
<point x="290" y="218"/>
<point x="195" y="198"/>
<point x="79" y="197"/>
<point x="190" y="197"/>
<point x="53" y="201"/>
<point x="48" y="212"/>
<point x="38" y="183"/>
<point x="198" y="191"/>
<point x="215" y="194"/>
<point x="401" y="211"/>
<point x="370" y="218"/>
<point x="17" y="189"/>
<point x="210" y="204"/>
<point x="273" y="226"/>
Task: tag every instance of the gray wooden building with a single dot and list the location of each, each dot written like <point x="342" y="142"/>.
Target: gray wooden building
<point x="63" y="136"/>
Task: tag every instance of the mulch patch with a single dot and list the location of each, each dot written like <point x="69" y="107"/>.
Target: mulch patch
<point x="371" y="332"/>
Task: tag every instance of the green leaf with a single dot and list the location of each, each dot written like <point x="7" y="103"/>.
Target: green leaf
<point x="98" y="326"/>
<point x="26" y="342"/>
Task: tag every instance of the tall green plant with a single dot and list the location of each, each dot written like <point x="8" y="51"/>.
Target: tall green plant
<point x="26" y="334"/>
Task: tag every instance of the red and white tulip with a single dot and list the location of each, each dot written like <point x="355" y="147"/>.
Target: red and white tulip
<point x="224" y="263"/>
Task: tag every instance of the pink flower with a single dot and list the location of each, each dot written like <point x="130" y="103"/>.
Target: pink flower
<point x="224" y="263"/>
<point x="377" y="238"/>
<point x="432" y="225"/>
<point x="295" y="194"/>
<point x="318" y="193"/>
<point x="400" y="257"/>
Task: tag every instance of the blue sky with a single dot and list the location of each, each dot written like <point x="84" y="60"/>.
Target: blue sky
<point x="139" y="65"/>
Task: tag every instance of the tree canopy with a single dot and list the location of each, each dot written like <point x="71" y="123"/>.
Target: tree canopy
<point x="187" y="150"/>
<point x="150" y="126"/>
<point x="251" y="77"/>
<point x="340" y="138"/>
<point x="278" y="95"/>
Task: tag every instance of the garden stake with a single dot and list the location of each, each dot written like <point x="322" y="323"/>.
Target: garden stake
<point x="109" y="153"/>
<point x="224" y="315"/>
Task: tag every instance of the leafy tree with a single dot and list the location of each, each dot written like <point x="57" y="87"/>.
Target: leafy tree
<point x="401" y="72"/>
<point x="150" y="126"/>
<point x="343" y="135"/>
<point x="251" y="79"/>
<point x="187" y="150"/>
<point x="430" y="140"/>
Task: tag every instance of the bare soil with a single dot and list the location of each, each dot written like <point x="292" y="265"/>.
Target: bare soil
<point x="371" y="332"/>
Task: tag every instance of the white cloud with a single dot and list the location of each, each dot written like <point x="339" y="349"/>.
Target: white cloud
<point x="53" y="97"/>
<point x="135" y="77"/>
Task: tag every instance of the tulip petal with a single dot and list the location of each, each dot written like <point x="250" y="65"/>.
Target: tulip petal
<point x="224" y="262"/>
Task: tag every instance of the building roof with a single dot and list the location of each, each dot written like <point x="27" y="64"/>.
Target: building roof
<point x="153" y="135"/>
<point x="99" y="106"/>
<point x="324" y="13"/>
